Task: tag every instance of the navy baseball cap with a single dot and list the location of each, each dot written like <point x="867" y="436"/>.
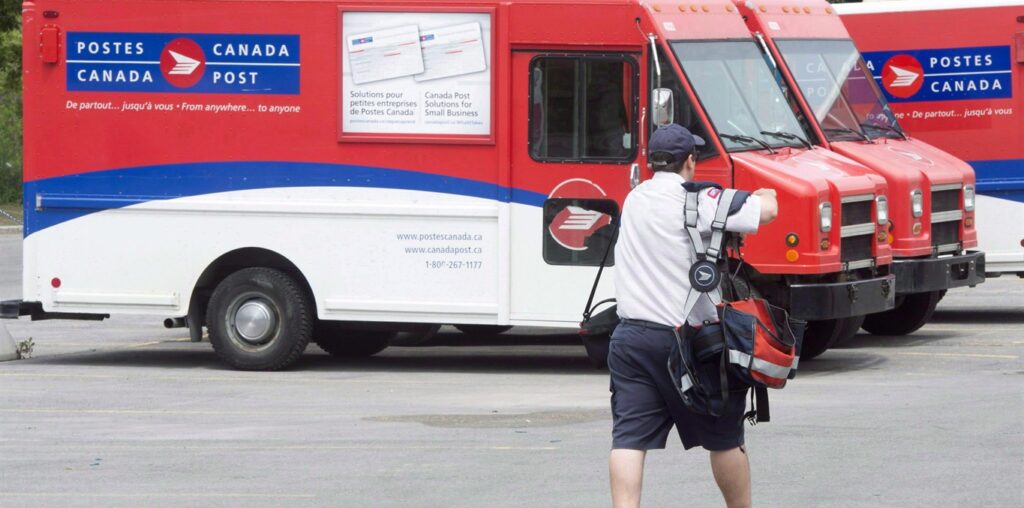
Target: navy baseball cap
<point x="674" y="139"/>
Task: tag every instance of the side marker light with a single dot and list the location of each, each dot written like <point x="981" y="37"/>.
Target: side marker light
<point x="825" y="244"/>
<point x="917" y="228"/>
<point x="792" y="240"/>
<point x="792" y="255"/>
<point x="55" y="282"/>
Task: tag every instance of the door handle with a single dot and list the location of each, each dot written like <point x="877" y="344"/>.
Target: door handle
<point x="634" y="175"/>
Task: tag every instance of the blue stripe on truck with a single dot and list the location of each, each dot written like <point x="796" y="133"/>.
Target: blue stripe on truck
<point x="51" y="201"/>
<point x="1002" y="179"/>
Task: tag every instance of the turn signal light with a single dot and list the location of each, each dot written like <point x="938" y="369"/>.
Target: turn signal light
<point x="792" y="255"/>
<point x="792" y="240"/>
<point x="888" y="238"/>
<point x="882" y="237"/>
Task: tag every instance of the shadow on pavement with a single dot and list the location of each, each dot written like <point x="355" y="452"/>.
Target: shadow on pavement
<point x="838" y="362"/>
<point x="920" y="338"/>
<point x="979" y="315"/>
<point x="455" y="353"/>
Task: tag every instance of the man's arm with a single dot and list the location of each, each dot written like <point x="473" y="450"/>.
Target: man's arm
<point x="769" y="205"/>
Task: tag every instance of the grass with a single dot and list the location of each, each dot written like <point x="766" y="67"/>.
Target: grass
<point x="13" y="209"/>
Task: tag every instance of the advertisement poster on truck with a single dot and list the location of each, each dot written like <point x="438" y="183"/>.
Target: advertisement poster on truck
<point x="416" y="73"/>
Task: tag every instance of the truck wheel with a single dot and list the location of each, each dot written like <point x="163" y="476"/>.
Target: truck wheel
<point x="259" y="319"/>
<point x="597" y="349"/>
<point x="485" y="330"/>
<point x="821" y="335"/>
<point x="911" y="314"/>
<point x="337" y="340"/>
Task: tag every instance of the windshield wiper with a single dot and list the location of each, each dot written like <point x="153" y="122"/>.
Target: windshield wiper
<point x="790" y="136"/>
<point x="848" y="130"/>
<point x="748" y="140"/>
<point x="887" y="128"/>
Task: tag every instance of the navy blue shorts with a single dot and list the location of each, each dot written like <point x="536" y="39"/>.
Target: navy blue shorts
<point x="645" y="403"/>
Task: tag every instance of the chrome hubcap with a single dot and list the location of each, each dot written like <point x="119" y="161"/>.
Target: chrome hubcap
<point x="255" y="322"/>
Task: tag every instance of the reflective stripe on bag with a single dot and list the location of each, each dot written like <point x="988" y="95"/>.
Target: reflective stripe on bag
<point x="685" y="383"/>
<point x="759" y="365"/>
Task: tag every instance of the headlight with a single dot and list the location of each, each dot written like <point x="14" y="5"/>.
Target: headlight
<point x="916" y="203"/>
<point x="825" y="217"/>
<point x="882" y="207"/>
<point x="969" y="198"/>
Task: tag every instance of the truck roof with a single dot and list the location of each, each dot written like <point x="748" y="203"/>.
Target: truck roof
<point x="921" y="5"/>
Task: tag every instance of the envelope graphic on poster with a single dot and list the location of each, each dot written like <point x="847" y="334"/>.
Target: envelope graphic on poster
<point x="385" y="54"/>
<point x="452" y="51"/>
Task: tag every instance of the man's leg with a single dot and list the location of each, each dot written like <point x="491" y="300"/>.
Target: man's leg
<point x="732" y="473"/>
<point x="626" y="468"/>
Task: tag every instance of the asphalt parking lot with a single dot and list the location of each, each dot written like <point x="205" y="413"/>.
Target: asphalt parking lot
<point x="126" y="413"/>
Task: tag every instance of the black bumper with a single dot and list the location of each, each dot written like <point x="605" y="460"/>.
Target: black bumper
<point x="813" y="302"/>
<point x="937" y="274"/>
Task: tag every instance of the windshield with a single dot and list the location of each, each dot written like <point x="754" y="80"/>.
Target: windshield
<point x="738" y="90"/>
<point x="839" y="89"/>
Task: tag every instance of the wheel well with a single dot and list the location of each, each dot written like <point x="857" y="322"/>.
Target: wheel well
<point x="230" y="263"/>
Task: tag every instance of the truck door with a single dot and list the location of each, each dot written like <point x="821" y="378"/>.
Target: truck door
<point x="576" y="145"/>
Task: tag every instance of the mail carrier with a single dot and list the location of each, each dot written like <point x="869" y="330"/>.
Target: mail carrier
<point x="284" y="172"/>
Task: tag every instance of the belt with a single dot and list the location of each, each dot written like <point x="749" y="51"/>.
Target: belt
<point x="647" y="324"/>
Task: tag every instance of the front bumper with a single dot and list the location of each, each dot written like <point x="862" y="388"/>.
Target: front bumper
<point x="937" y="274"/>
<point x="814" y="302"/>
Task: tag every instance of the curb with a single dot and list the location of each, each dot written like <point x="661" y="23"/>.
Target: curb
<point x="8" y="351"/>
<point x="10" y="230"/>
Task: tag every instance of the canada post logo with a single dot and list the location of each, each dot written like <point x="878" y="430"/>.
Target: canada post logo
<point x="943" y="74"/>
<point x="177" y="63"/>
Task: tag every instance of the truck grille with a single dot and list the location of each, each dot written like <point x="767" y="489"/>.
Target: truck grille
<point x="856" y="248"/>
<point x="945" y="233"/>
<point x="945" y="200"/>
<point x="857" y="213"/>
<point x="858" y="230"/>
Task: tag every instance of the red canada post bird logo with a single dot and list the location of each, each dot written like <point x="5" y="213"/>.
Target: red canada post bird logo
<point x="182" y="62"/>
<point x="573" y="224"/>
<point x="902" y="76"/>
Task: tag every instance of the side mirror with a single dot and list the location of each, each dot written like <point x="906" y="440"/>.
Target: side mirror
<point x="663" y="109"/>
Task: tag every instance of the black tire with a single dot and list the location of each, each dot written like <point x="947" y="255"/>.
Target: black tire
<point x="597" y="349"/>
<point x="821" y="335"/>
<point x="485" y="330"/>
<point x="910" y="315"/>
<point x="337" y="340"/>
<point x="281" y="330"/>
<point x="850" y="328"/>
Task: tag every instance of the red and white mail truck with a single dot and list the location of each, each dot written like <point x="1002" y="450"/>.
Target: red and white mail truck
<point x="953" y="71"/>
<point x="931" y="193"/>
<point x="281" y="172"/>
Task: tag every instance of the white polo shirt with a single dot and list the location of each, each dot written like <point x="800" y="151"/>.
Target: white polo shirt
<point x="653" y="254"/>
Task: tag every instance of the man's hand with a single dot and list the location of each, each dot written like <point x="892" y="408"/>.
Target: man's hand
<point x="769" y="205"/>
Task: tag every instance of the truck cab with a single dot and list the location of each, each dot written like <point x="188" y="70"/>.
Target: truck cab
<point x="931" y="193"/>
<point x="826" y="258"/>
